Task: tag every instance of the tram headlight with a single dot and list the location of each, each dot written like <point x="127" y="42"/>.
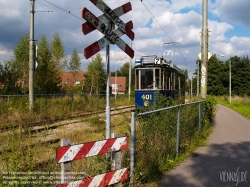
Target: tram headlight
<point x="146" y="103"/>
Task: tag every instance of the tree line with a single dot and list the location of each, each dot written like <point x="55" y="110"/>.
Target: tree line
<point x="218" y="76"/>
<point x="50" y="61"/>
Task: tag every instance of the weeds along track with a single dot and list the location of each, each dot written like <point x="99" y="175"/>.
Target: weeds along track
<point x="47" y="124"/>
<point x="45" y="133"/>
<point x="33" y="148"/>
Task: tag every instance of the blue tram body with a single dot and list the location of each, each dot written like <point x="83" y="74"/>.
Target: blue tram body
<point x="157" y="74"/>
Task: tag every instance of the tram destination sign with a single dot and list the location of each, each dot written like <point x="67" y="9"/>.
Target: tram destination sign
<point x="148" y="59"/>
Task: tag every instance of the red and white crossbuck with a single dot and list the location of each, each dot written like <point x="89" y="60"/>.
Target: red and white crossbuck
<point x="104" y="24"/>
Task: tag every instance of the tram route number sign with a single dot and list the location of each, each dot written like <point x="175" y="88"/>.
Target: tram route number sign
<point x="158" y="60"/>
<point x="110" y="35"/>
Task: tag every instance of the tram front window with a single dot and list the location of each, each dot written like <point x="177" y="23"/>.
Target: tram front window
<point x="146" y="78"/>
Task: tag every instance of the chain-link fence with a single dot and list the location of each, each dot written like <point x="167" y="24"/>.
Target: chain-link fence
<point x="164" y="135"/>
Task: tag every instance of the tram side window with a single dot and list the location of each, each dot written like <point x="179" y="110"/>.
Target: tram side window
<point x="176" y="82"/>
<point x="167" y="81"/>
<point x="137" y="79"/>
<point x="146" y="78"/>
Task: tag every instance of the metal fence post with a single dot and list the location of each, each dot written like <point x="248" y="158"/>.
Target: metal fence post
<point x="178" y="131"/>
<point x="200" y="116"/>
<point x="8" y="102"/>
<point x="132" y="148"/>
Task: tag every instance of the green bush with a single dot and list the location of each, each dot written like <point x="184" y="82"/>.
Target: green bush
<point x="156" y="137"/>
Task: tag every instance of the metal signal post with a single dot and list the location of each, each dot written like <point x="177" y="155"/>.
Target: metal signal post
<point x="104" y="24"/>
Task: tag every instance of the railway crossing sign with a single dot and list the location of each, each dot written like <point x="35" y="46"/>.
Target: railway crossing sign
<point x="119" y="11"/>
<point x="102" y="23"/>
<point x="100" y="44"/>
<point x="112" y="16"/>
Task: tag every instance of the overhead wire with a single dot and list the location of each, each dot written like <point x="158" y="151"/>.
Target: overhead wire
<point x="68" y="11"/>
<point x="164" y="31"/>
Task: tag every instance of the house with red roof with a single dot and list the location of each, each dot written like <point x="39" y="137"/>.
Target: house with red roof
<point x="70" y="79"/>
<point x="118" y="85"/>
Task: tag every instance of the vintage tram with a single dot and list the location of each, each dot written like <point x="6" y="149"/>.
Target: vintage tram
<point x="157" y="75"/>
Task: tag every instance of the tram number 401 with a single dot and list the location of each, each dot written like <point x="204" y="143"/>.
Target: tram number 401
<point x="147" y="97"/>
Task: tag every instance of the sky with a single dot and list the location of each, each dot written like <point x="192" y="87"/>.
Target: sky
<point x="155" y="22"/>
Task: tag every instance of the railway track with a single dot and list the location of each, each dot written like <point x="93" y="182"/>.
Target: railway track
<point x="55" y="123"/>
<point x="38" y="128"/>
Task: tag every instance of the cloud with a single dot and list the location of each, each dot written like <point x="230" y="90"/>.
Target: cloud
<point x="219" y="30"/>
<point x="177" y="5"/>
<point x="236" y="12"/>
<point x="179" y="20"/>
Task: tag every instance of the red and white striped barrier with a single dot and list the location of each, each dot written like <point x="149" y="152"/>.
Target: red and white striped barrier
<point x="102" y="180"/>
<point x="74" y="152"/>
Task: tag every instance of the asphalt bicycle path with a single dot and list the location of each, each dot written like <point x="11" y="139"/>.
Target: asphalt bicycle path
<point x="223" y="162"/>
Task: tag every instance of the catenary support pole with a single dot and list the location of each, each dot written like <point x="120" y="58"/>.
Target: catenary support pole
<point x="31" y="55"/>
<point x="204" y="49"/>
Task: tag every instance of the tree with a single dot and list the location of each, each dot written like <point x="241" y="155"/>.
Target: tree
<point x="15" y="72"/>
<point x="9" y="79"/>
<point x="74" y="63"/>
<point x="1" y="72"/>
<point x="216" y="71"/>
<point x="57" y="52"/>
<point x="186" y="74"/>
<point x="47" y="74"/>
<point x="240" y="75"/>
<point x="20" y="64"/>
<point x="95" y="78"/>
